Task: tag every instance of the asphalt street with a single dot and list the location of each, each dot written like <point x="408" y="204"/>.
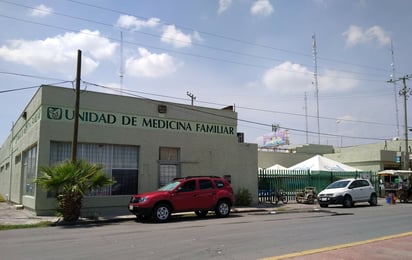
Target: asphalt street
<point x="386" y="247"/>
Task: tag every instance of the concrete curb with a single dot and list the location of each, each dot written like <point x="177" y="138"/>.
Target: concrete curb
<point x="117" y="219"/>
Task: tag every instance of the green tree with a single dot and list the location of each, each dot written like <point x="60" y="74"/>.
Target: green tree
<point x="71" y="182"/>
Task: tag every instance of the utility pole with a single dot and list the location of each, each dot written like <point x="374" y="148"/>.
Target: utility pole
<point x="76" y="107"/>
<point x="405" y="92"/>
<point x="192" y="97"/>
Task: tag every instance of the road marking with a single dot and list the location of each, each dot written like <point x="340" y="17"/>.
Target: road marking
<point x="330" y="248"/>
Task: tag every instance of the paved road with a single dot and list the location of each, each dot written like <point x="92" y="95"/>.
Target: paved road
<point x="243" y="236"/>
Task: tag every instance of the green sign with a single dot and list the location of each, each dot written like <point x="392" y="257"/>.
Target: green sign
<point x="136" y="121"/>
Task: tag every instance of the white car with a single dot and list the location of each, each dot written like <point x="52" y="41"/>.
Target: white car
<point x="347" y="192"/>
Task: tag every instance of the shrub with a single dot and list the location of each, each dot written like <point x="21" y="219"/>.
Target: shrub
<point x="243" y="197"/>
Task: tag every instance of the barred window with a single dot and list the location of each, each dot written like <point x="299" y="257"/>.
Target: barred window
<point x="121" y="162"/>
<point x="169" y="164"/>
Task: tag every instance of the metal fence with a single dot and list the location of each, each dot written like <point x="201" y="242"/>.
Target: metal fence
<point x="292" y="181"/>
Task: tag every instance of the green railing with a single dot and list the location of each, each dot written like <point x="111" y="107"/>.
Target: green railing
<point x="291" y="181"/>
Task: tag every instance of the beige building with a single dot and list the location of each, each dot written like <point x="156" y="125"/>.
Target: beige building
<point x="142" y="144"/>
<point x="369" y="157"/>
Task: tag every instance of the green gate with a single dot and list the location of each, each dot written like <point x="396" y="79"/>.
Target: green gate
<point x="291" y="181"/>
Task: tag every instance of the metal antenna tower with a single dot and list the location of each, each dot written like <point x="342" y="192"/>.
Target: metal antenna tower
<point x="121" y="72"/>
<point x="315" y="76"/>
<point x="306" y="118"/>
<point x="395" y="89"/>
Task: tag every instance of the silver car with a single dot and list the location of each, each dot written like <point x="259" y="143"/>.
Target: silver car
<point x="347" y="192"/>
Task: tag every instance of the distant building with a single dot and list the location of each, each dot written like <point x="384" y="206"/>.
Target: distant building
<point x="369" y="157"/>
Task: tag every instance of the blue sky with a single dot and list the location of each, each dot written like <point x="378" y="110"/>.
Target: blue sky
<point x="254" y="54"/>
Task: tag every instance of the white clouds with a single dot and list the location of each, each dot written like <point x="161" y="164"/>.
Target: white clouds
<point x="294" y="78"/>
<point x="357" y="35"/>
<point x="41" y="11"/>
<point x="170" y="34"/>
<point x="224" y="5"/>
<point x="261" y="7"/>
<point x="336" y="81"/>
<point x="176" y="37"/>
<point x="58" y="54"/>
<point x="287" y="77"/>
<point x="132" y="23"/>
<point x="150" y="65"/>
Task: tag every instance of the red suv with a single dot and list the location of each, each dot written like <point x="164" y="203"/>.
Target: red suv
<point x="194" y="193"/>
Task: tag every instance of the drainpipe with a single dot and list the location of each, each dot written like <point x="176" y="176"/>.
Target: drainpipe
<point x="11" y="162"/>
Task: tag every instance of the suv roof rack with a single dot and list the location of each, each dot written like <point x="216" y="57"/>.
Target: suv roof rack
<point x="197" y="176"/>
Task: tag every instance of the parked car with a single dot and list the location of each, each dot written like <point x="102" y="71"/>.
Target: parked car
<point x="200" y="194"/>
<point x="347" y="192"/>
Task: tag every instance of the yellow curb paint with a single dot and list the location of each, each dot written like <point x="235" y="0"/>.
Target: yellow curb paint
<point x="330" y="248"/>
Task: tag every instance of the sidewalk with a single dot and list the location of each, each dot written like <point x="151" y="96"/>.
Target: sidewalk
<point x="11" y="214"/>
<point x="389" y="247"/>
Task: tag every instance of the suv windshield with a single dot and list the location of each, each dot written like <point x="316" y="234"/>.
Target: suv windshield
<point x="338" y="184"/>
<point x="170" y="186"/>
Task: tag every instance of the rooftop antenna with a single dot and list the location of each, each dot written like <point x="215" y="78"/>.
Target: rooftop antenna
<point x="192" y="97"/>
<point x="315" y="77"/>
<point x="393" y="77"/>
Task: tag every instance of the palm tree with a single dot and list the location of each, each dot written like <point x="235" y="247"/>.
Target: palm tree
<point x="71" y="181"/>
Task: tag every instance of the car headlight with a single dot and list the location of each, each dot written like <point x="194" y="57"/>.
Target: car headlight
<point x="141" y="199"/>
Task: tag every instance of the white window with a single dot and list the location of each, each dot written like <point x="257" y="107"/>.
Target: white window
<point x="29" y="170"/>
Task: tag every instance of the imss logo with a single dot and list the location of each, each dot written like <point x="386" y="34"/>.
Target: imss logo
<point x="54" y="113"/>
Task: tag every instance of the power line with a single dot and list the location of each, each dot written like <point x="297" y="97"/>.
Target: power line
<point x="17" y="89"/>
<point x="226" y="37"/>
<point x="130" y="92"/>
<point x="186" y="53"/>
<point x="31" y="76"/>
<point x="183" y="53"/>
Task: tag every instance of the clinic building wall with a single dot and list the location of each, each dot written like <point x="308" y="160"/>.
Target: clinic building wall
<point x="202" y="141"/>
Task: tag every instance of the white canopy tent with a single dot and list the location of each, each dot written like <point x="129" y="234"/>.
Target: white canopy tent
<point x="320" y="163"/>
<point x="276" y="167"/>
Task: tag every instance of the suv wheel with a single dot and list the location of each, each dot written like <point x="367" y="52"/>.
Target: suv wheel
<point x="201" y="213"/>
<point x="347" y="201"/>
<point x="222" y="208"/>
<point x="161" y="213"/>
<point x="373" y="200"/>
